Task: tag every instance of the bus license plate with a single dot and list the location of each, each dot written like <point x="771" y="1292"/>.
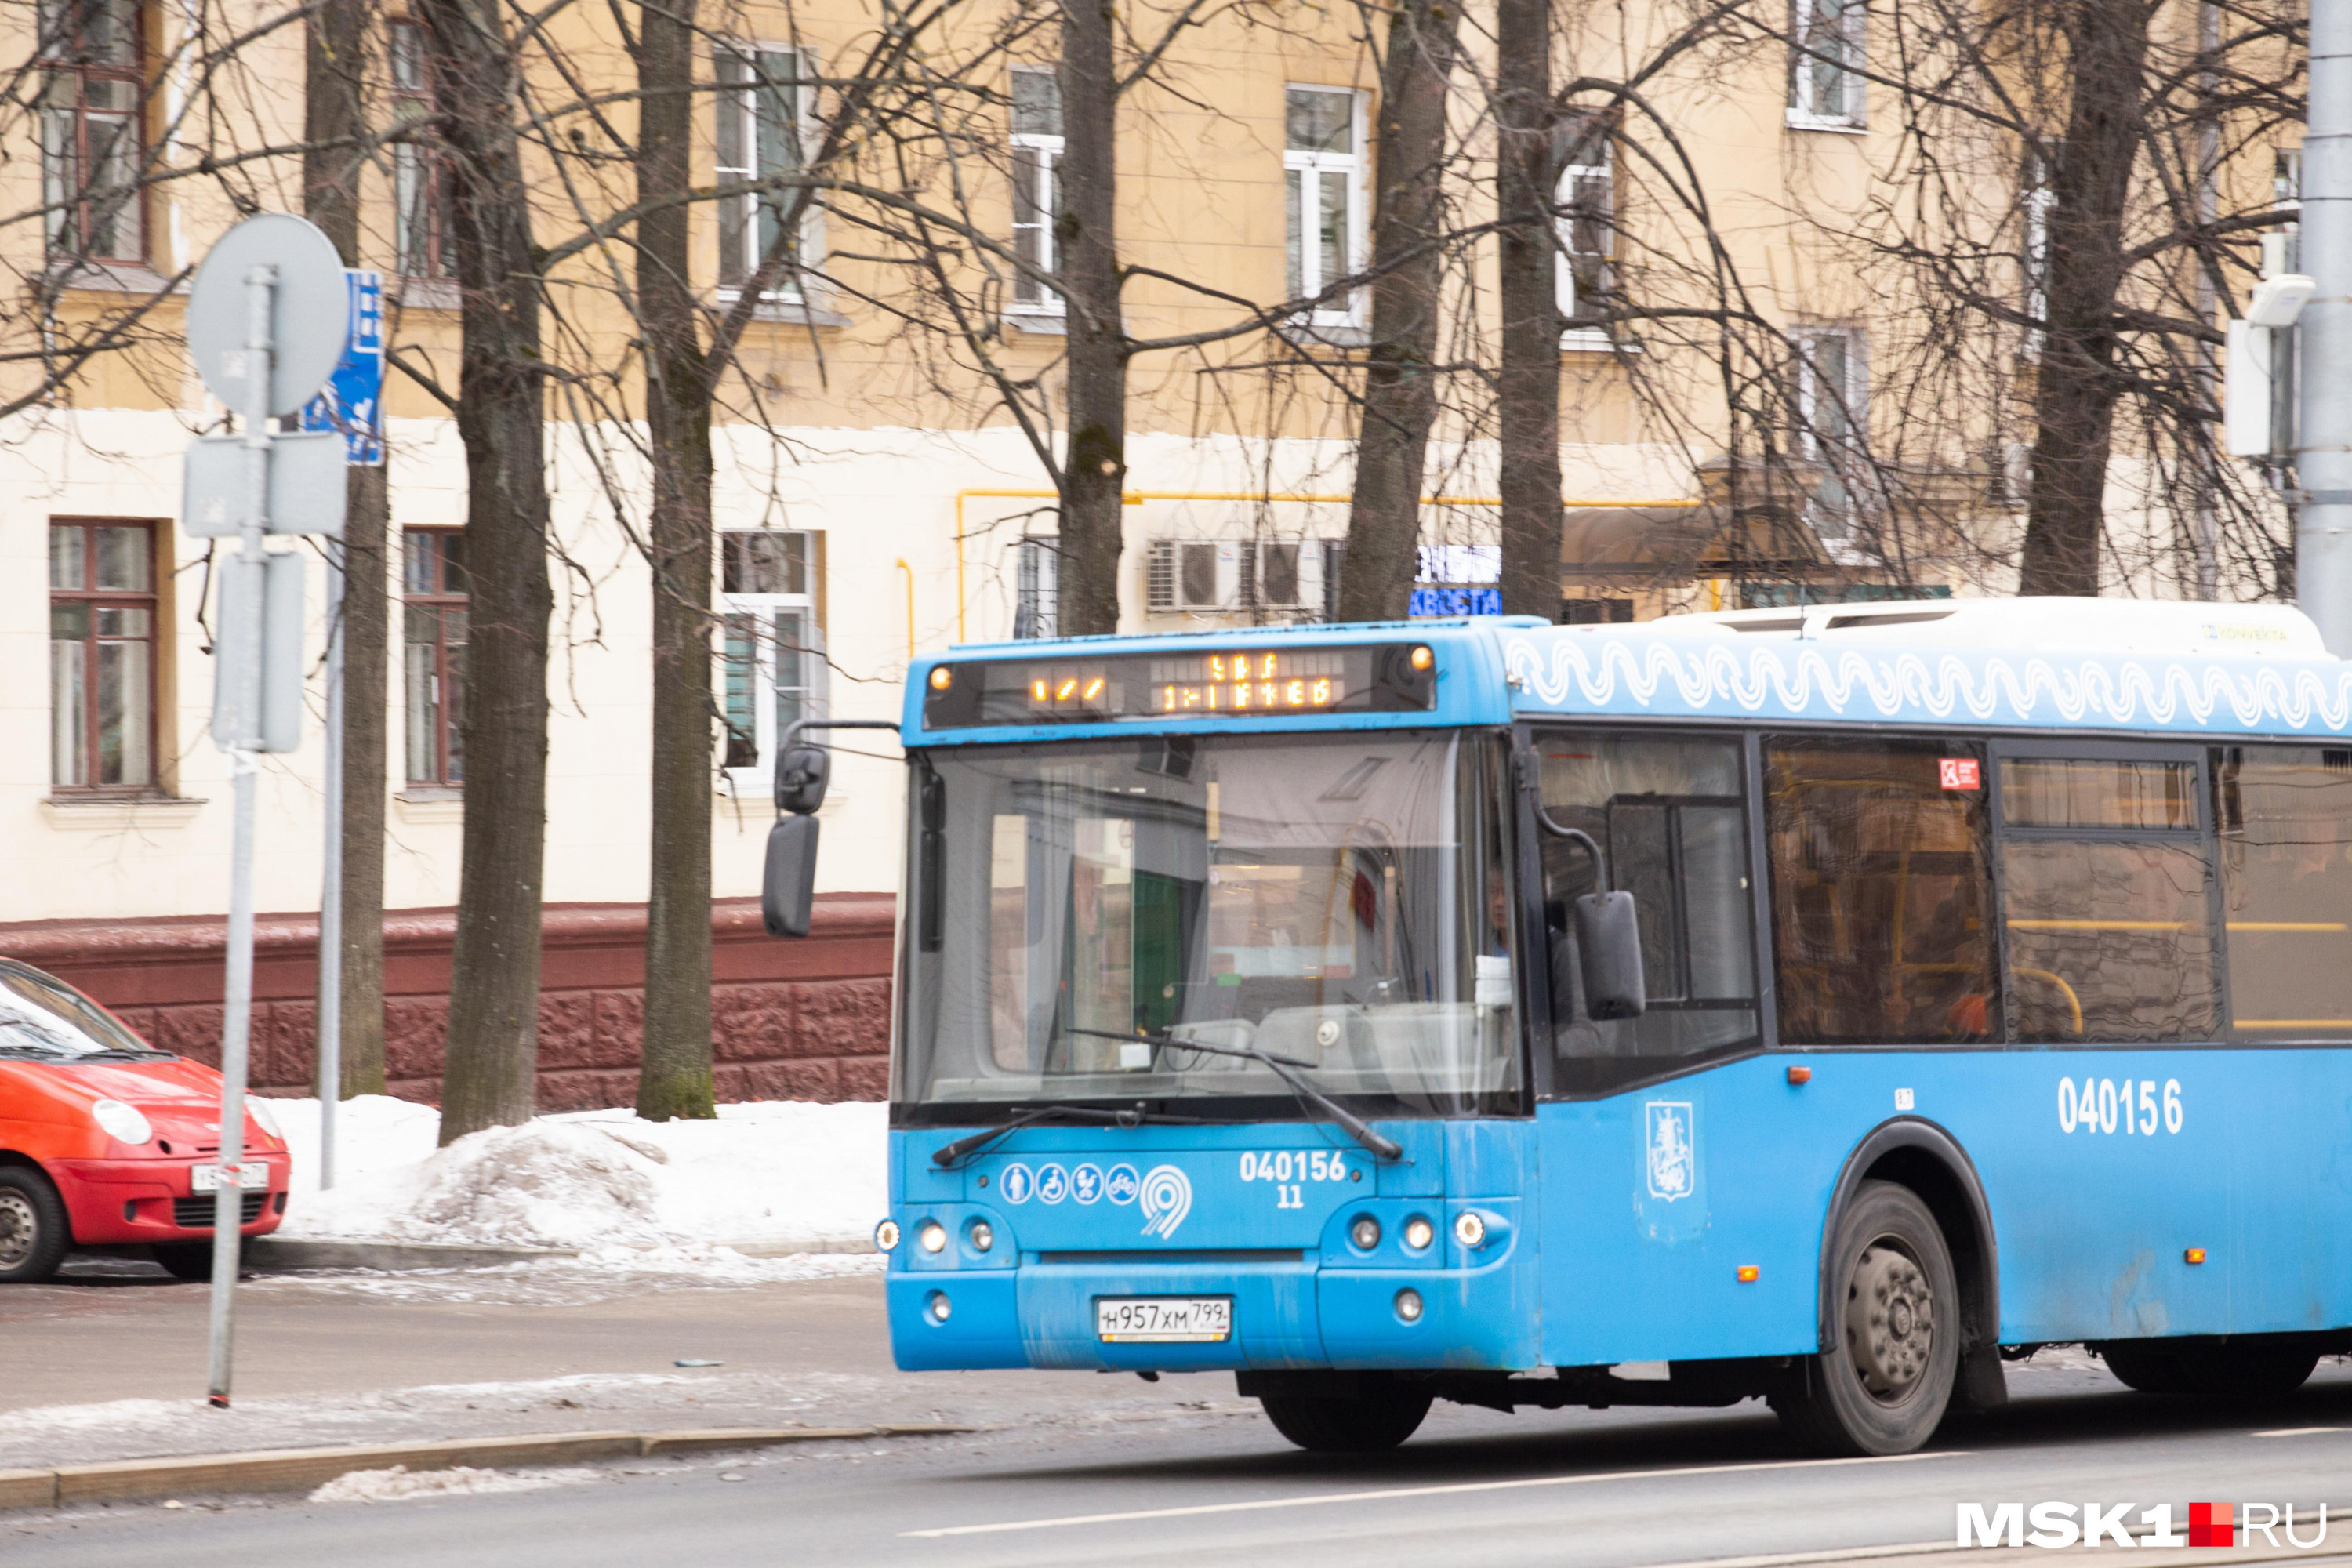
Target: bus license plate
<point x="207" y="1178"/>
<point x="1163" y="1319"/>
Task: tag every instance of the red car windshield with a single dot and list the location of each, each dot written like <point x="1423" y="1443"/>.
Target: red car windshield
<point x="46" y="1018"/>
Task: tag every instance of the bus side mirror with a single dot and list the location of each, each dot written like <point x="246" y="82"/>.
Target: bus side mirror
<point x="788" y="887"/>
<point x="1609" y="948"/>
<point x="802" y="773"/>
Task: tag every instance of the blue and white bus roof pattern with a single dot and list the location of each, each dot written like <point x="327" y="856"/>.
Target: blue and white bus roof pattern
<point x="2127" y="666"/>
<point x="2021" y="663"/>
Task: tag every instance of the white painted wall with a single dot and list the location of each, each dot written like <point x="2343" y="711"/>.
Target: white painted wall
<point x="881" y="497"/>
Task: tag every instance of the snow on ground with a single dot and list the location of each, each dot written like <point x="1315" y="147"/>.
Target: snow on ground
<point x="400" y="1484"/>
<point x="594" y="1180"/>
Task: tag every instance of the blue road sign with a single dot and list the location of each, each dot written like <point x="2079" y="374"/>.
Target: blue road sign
<point x="351" y="402"/>
<point x="1448" y="599"/>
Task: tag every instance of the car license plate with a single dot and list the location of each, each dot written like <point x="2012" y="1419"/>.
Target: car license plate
<point x="1163" y="1319"/>
<point x="207" y="1178"/>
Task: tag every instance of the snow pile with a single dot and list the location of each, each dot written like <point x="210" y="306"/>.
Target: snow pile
<point x="771" y="1171"/>
<point x="399" y="1484"/>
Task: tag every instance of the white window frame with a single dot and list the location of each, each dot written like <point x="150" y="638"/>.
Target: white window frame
<point x="2039" y="199"/>
<point x="1038" y="586"/>
<point x="762" y="610"/>
<point x="1046" y="199"/>
<point x="1564" y="225"/>
<point x="1303" y="164"/>
<point x="1808" y="40"/>
<point x="742" y="162"/>
<point x="1851" y="409"/>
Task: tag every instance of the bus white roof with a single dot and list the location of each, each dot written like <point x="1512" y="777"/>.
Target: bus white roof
<point x="2033" y="625"/>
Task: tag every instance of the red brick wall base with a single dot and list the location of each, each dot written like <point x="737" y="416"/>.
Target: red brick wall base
<point x="790" y="1020"/>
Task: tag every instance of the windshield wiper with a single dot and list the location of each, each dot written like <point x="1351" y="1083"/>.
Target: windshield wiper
<point x="948" y="1154"/>
<point x="1355" y="1126"/>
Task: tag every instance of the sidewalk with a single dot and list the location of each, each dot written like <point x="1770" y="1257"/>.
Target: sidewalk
<point x="113" y="1365"/>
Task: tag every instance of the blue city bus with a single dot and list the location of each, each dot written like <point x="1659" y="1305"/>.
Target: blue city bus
<point x="1818" y="1006"/>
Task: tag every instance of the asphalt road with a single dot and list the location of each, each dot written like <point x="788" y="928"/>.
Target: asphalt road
<point x="1214" y="1484"/>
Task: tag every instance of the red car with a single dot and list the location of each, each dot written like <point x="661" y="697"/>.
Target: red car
<point x="104" y="1141"/>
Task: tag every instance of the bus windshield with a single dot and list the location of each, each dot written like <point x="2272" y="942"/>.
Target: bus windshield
<point x="1085" y="910"/>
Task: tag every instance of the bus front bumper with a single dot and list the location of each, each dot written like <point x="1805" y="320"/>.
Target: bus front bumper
<point x="1284" y="1315"/>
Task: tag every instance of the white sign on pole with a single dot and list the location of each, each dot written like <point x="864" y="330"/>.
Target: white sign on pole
<point x="310" y="317"/>
<point x="306" y="485"/>
<point x="268" y="316"/>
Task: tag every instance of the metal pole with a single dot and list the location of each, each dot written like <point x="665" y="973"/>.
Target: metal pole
<point x="2322" y="538"/>
<point x="330" y="890"/>
<point x="237" y="1011"/>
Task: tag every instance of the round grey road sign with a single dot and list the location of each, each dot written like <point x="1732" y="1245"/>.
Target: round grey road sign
<point x="311" y="317"/>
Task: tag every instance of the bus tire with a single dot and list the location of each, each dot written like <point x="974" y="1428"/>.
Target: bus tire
<point x="1894" y="1331"/>
<point x="34" y="1234"/>
<point x="2226" y="1372"/>
<point x="1372" y="1422"/>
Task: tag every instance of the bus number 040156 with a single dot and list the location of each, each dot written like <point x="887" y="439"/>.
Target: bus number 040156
<point x="2118" y="1105"/>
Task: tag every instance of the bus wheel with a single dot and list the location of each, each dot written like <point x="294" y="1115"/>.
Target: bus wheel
<point x="1895" y="1323"/>
<point x="1372" y="1422"/>
<point x="2236" y="1371"/>
<point x="33" y="1231"/>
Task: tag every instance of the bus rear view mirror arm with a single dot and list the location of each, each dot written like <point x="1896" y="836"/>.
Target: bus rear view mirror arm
<point x="1608" y="935"/>
<point x="788" y="883"/>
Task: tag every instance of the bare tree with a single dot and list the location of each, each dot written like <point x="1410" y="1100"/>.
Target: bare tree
<point x="1401" y="374"/>
<point x="334" y="135"/>
<point x="1527" y="383"/>
<point x="475" y="64"/>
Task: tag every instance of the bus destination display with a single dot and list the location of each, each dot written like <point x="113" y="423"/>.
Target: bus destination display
<point x="1227" y="683"/>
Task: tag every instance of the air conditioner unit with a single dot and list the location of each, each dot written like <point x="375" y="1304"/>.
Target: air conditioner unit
<point x="1207" y="575"/>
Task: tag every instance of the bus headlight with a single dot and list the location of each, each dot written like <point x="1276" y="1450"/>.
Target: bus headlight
<point x="1365" y="1233"/>
<point x="933" y="1237"/>
<point x="1468" y="1228"/>
<point x="886" y="1237"/>
<point x="1408" y="1306"/>
<point x="983" y="1236"/>
<point x="935" y="1306"/>
<point x="1419" y="1233"/>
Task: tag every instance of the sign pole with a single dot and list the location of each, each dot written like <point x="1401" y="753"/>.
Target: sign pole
<point x="237" y="1012"/>
<point x="331" y="887"/>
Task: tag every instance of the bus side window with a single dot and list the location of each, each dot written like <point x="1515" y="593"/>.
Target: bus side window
<point x="2106" y="900"/>
<point x="1880" y="887"/>
<point x="2285" y="820"/>
<point x="1671" y="812"/>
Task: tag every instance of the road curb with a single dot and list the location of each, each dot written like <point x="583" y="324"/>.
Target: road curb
<point x="273" y="1254"/>
<point x="299" y="1469"/>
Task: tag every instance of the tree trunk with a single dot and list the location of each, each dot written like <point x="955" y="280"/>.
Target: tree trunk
<point x="1400" y="379"/>
<point x="1093" y="468"/>
<point x="1527" y="384"/>
<point x="673" y="1076"/>
<point x="334" y="111"/>
<point x="366" y="654"/>
<point x="2078" y="384"/>
<point x="494" y="972"/>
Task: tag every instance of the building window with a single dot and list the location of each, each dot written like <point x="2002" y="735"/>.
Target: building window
<point x="1037" y="601"/>
<point x="434" y="592"/>
<point x="1323" y="195"/>
<point x="1036" y="183"/>
<point x="103" y="656"/>
<point x="93" y="145"/>
<point x="1832" y="394"/>
<point x="1825" y="64"/>
<point x="1586" y="212"/>
<point x="772" y="668"/>
<point x="763" y="112"/>
<point x="419" y="175"/>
